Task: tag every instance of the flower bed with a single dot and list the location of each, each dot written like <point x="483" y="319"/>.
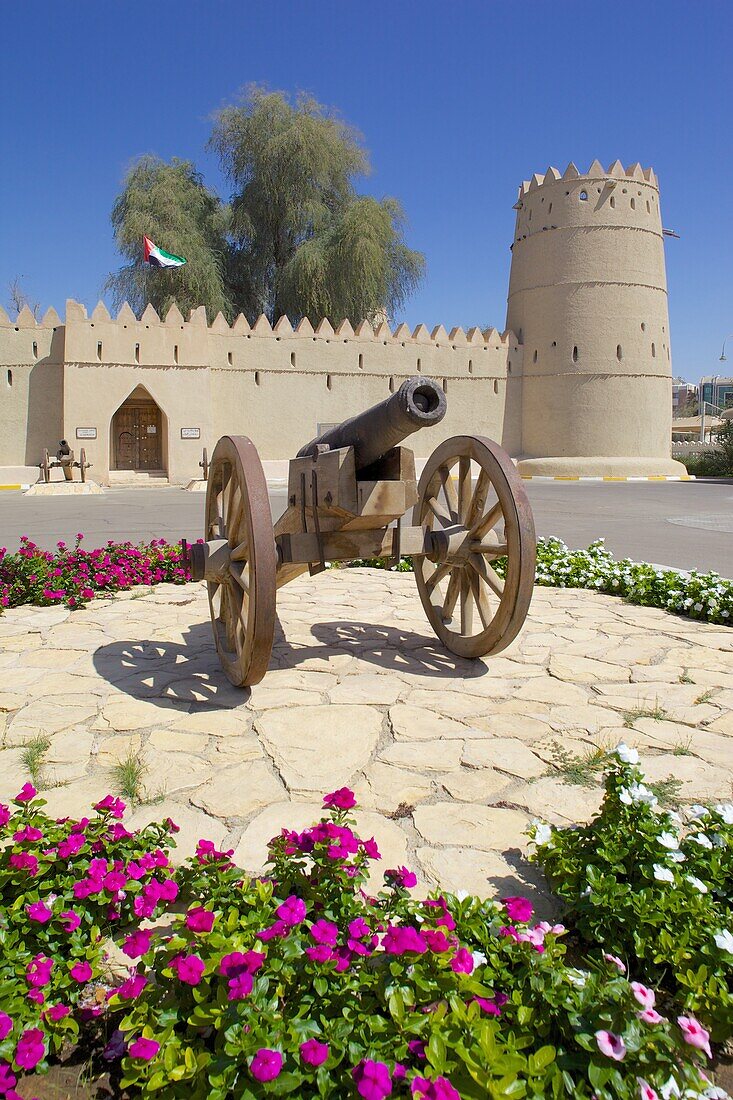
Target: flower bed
<point x="300" y="983"/>
<point x="71" y="576"/>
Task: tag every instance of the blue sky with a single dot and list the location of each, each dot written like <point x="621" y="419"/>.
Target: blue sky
<point x="458" y="101"/>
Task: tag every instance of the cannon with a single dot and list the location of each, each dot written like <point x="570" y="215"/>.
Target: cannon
<point x="64" y="461"/>
<point x="349" y="490"/>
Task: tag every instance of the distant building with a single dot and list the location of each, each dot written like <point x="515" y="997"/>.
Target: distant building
<point x="682" y="394"/>
<point x="717" y="390"/>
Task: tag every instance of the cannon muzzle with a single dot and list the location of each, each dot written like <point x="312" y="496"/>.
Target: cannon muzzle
<point x="418" y="403"/>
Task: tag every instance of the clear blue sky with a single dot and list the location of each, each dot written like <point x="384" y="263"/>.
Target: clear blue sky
<point x="458" y="101"/>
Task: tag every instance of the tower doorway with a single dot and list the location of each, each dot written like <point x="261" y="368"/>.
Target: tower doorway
<point x="137" y="435"/>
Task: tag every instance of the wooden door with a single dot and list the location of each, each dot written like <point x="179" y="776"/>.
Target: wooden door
<point x="137" y="436"/>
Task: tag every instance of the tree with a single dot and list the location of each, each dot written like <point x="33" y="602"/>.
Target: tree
<point x="691" y="407"/>
<point x="304" y="243"/>
<point x="170" y="204"/>
<point x="17" y="298"/>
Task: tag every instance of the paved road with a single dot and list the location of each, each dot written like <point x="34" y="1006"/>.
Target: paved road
<point x="683" y="524"/>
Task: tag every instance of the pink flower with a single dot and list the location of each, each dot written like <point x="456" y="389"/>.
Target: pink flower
<point x="650" y="1016"/>
<point x="462" y="961"/>
<point x="200" y="920"/>
<point x="324" y="931"/>
<point x="6" y="1025"/>
<point x="494" y="1006"/>
<point x="439" y="1089"/>
<point x="373" y="1080"/>
<point x="144" y="1048"/>
<point x="189" y="968"/>
<point x="275" y="931"/>
<point x="416" y="1047"/>
<point x="7" y="1080"/>
<point x="646" y="1092"/>
<point x="611" y="1045"/>
<point x="30" y="1049"/>
<point x="26" y="794"/>
<point x="70" y="920"/>
<point x="36" y="996"/>
<point x="615" y="960"/>
<point x="643" y="995"/>
<point x="39" y="912"/>
<point x="342" y="799"/>
<point x="137" y="943"/>
<point x="371" y="851"/>
<point x="397" y="941"/>
<point x="239" y="962"/>
<point x="321" y="953"/>
<point x="266" y="1064"/>
<point x="38" y="971"/>
<point x="292" y="911"/>
<point x="314" y="1053"/>
<point x="4" y="814"/>
<point x="24" y="861"/>
<point x="401" y="876"/>
<point x="29" y="833"/>
<point x="114" y="806"/>
<point x="437" y="941"/>
<point x="519" y="909"/>
<point x="132" y="988"/>
<point x="694" y="1033"/>
<point x="359" y="928"/>
<point x="240" y="986"/>
<point x="115" y="881"/>
<point x="81" y="972"/>
<point x="57" y="1012"/>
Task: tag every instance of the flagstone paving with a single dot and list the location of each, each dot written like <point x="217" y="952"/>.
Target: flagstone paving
<point x="450" y="759"/>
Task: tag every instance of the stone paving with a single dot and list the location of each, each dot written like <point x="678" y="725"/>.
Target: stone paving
<point x="450" y="759"/>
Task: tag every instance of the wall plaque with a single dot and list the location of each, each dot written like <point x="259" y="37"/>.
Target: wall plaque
<point x="190" y="433"/>
<point x="86" y="433"/>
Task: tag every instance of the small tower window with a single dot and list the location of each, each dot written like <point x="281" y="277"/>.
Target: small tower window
<point x="445" y="385"/>
<point x="648" y="207"/>
<point x="496" y="385"/>
<point x="619" y="353"/>
<point x="534" y="357"/>
<point x="391" y="384"/>
<point x="292" y="358"/>
<point x="328" y="381"/>
<point x="633" y="204"/>
<point x="175" y="353"/>
<point x="530" y="216"/>
<point x="10" y="377"/>
<point x="137" y="353"/>
<point x="575" y="355"/>
<point x="549" y="209"/>
<point x="230" y="358"/>
<point x="257" y="378"/>
<point x="361" y="361"/>
<point x="419" y="365"/>
<point x="35" y="350"/>
<point x="99" y="351"/>
<point x="583" y="196"/>
<point x="654" y="351"/>
<point x="612" y="201"/>
<point x="643" y="326"/>
<point x="470" y="366"/>
<point x="554" y="343"/>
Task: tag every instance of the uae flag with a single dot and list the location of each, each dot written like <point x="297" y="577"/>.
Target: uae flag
<point x="157" y="257"/>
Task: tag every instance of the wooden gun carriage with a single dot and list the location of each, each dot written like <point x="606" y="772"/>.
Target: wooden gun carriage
<point x="64" y="461"/>
<point x="348" y="493"/>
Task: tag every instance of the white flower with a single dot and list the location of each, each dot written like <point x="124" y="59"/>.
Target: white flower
<point x="625" y="754"/>
<point x="662" y="874"/>
<point x="670" y="1089"/>
<point x="542" y="834"/>
<point x="461" y="895"/>
<point x="725" y="809"/>
<point x="669" y="840"/>
<point x="677" y="857"/>
<point x="701" y="839"/>
<point x="639" y="793"/>
<point x="714" y="1092"/>
<point x="576" y="977"/>
<point x="625" y="796"/>
<point x="697" y="810"/>
<point x="479" y="959"/>
<point x="699" y="886"/>
<point x="698" y="607"/>
<point x="724" y="940"/>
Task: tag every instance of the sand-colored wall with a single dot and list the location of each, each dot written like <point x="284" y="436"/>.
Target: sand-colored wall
<point x="588" y="301"/>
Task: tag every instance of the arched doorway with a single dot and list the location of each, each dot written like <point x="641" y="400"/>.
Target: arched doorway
<point x="137" y="434"/>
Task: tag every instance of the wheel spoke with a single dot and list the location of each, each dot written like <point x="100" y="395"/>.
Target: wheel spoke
<point x="466" y="604"/>
<point x="487" y="574"/>
<point x="240" y="552"/>
<point x="490" y="549"/>
<point x="439" y="512"/>
<point x="480" y="599"/>
<point x="451" y="596"/>
<point x="478" y="501"/>
<point x="241" y="575"/>
<point x="490" y="520"/>
<point x="449" y="492"/>
<point x="437" y="576"/>
<point x="234" y="606"/>
<point x="464" y="487"/>
<point x="235" y="512"/>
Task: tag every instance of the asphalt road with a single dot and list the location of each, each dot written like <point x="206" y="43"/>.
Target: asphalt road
<point x="684" y="524"/>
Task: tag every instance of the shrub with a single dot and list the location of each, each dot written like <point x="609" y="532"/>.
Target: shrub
<point x="72" y="576"/>
<point x="715" y="463"/>
<point x="642" y="885"/>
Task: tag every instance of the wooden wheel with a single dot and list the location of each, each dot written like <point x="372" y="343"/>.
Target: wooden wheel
<point x="242" y="595"/>
<point x="472" y="500"/>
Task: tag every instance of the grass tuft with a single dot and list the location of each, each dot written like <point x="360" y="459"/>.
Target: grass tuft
<point x="667" y="791"/>
<point x="580" y="769"/>
<point x="685" y="678"/>
<point x="683" y="748"/>
<point x="33" y="758"/>
<point x="128" y="777"/>
<point x="705" y="697"/>
<point x="657" y="712"/>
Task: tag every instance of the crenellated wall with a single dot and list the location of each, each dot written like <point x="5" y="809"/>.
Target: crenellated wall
<point x="276" y="385"/>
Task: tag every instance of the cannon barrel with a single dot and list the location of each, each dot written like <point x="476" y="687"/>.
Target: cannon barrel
<point x="418" y="403"/>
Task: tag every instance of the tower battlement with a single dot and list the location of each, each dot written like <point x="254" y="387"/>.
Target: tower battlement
<point x="595" y="171"/>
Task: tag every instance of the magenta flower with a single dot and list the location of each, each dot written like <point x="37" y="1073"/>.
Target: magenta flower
<point x="239" y="962"/>
<point x="81" y="972"/>
<point x="397" y="941"/>
<point x="321" y="953"/>
<point x="519" y="909"/>
<point x="266" y="1064"/>
<point x="643" y="995"/>
<point x="314" y="1053"/>
<point x="26" y="794"/>
<point x="200" y="920"/>
<point x="342" y="799"/>
<point x="39" y="912"/>
<point x="70" y="920"/>
<point x="494" y="1006"/>
<point x="371" y="851"/>
<point x="240" y="986"/>
<point x="29" y="833"/>
<point x="189" y="968"/>
<point x="275" y="931"/>
<point x="144" y="1048"/>
<point x="114" y="881"/>
<point x="439" y="1089"/>
<point x="38" y="971"/>
<point x="7" y="1079"/>
<point x="359" y="928"/>
<point x="694" y="1033"/>
<point x="416" y="1047"/>
<point x="36" y="996"/>
<point x="292" y="911"/>
<point x="611" y="1045"/>
<point x="30" y="1049"/>
<point x="616" y="961"/>
<point x="373" y="1080"/>
<point x="71" y="845"/>
<point x="650" y="1016"/>
<point x="400" y="876"/>
<point x="6" y="1025"/>
<point x="137" y="943"/>
<point x="114" y="806"/>
<point x="57" y="1012"/>
<point x="462" y="961"/>
<point x="324" y="931"/>
<point x="132" y="988"/>
<point x="4" y="814"/>
<point x="646" y="1092"/>
<point x="24" y="861"/>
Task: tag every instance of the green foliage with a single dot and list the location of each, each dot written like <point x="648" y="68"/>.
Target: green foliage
<point x="642" y="884"/>
<point x="170" y="204"/>
<point x="715" y="463"/>
<point x="33" y="756"/>
<point x="128" y="777"/>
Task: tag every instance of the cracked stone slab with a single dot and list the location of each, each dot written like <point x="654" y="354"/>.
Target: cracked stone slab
<point x="238" y="790"/>
<point x="468" y="825"/>
<point x="508" y="754"/>
<point x="321" y="747"/>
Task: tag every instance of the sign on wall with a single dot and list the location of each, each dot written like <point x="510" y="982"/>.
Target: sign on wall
<point x="190" y="433"/>
<point x="86" y="433"/>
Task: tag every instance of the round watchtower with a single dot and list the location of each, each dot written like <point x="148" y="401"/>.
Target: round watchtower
<point x="588" y="300"/>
